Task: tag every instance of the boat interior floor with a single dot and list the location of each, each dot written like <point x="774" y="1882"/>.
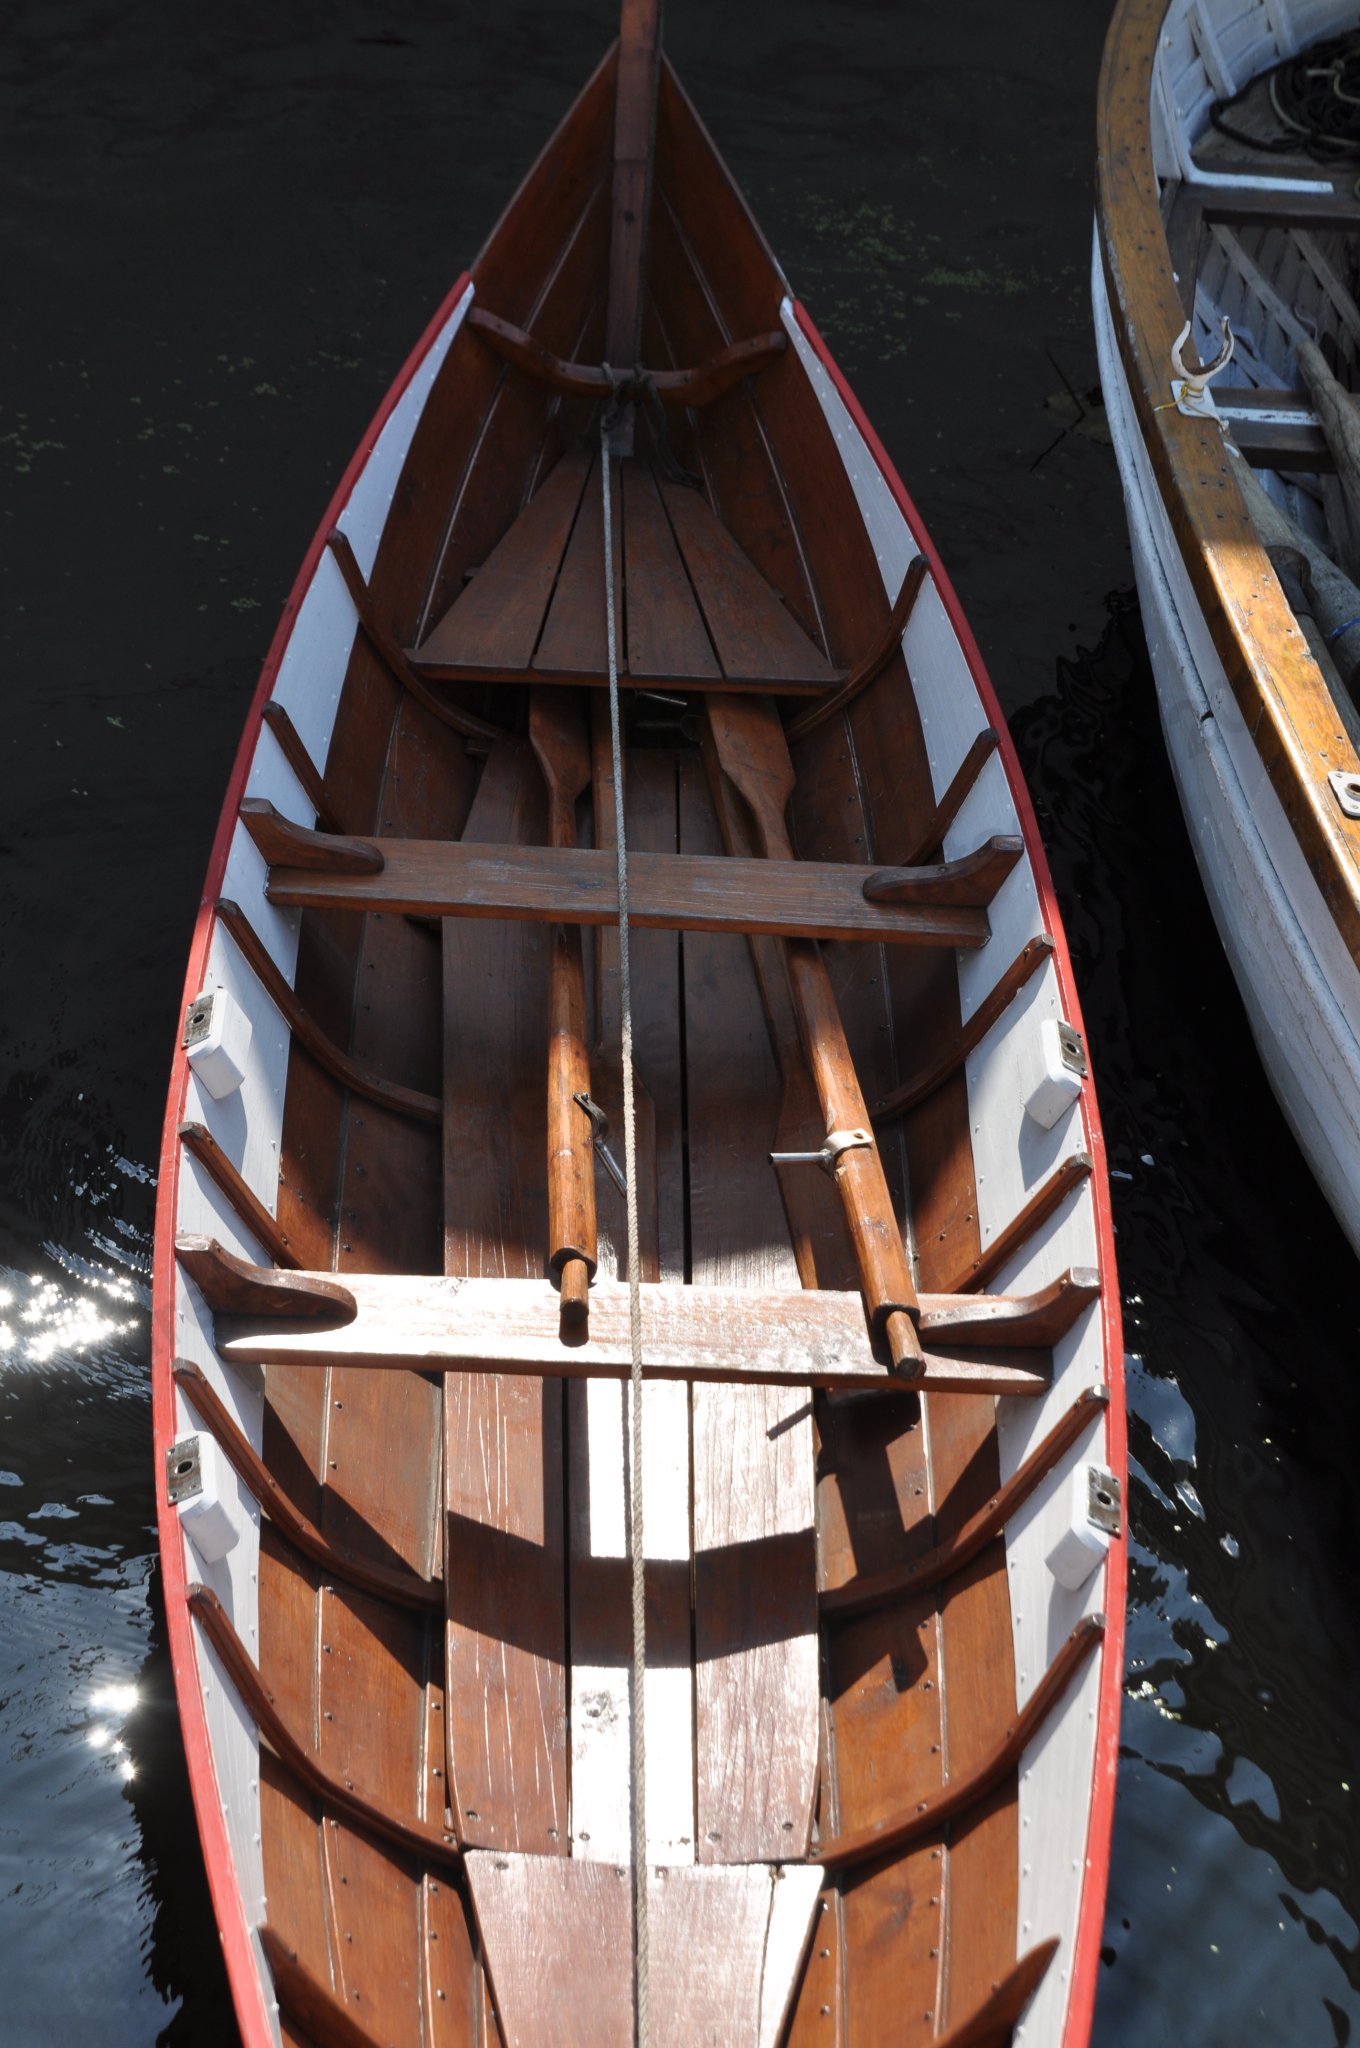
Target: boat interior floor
<point x="694" y="612"/>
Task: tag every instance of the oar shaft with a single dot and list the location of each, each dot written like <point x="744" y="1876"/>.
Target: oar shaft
<point x="751" y="750"/>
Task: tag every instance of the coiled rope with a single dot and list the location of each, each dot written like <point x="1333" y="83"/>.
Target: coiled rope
<point x="1315" y="97"/>
<point x="641" y="1979"/>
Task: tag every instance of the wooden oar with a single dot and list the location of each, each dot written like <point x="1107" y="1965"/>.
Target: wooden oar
<point x="748" y="741"/>
<point x="557" y="733"/>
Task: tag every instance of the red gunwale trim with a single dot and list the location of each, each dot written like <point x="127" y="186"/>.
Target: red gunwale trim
<point x="1085" y="1960"/>
<point x="243" y="1972"/>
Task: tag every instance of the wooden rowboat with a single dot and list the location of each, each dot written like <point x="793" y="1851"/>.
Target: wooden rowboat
<point x="881" y="1420"/>
<point x="1241" y="496"/>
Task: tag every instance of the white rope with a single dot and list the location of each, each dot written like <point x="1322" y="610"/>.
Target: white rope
<point x="640" y="1945"/>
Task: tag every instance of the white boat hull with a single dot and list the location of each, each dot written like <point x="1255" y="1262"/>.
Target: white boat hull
<point x="1299" y="985"/>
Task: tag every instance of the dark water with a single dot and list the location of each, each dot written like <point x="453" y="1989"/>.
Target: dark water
<point x="222" y="231"/>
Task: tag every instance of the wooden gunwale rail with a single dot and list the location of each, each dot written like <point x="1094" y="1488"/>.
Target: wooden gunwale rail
<point x="1284" y="700"/>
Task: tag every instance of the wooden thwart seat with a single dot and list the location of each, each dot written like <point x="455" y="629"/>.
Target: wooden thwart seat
<point x="813" y="1338"/>
<point x="941" y="906"/>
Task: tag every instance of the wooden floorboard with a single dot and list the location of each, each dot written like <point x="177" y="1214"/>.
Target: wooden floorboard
<point x="506" y="1699"/>
<point x="755" y="1626"/>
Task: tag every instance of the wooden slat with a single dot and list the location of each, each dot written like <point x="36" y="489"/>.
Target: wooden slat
<point x="725" y="1948"/>
<point x="599" y="1413"/>
<point x="505" y="1689"/>
<point x="498" y="618"/>
<point x="755" y="1627"/>
<point x="679" y="892"/>
<point x="666" y="633"/>
<point x="574" y="638"/>
<point x="753" y="633"/>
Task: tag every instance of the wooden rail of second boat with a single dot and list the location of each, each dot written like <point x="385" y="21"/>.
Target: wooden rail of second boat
<point x="932" y="906"/>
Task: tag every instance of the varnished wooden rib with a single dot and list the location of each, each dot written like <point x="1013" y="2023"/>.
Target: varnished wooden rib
<point x="1050" y="1195"/>
<point x="900" y="1582"/>
<point x="887" y="643"/>
<point x="429" y="1844"/>
<point x="385" y="1582"/>
<point x="675" y="892"/>
<point x="935" y="1809"/>
<point x="932" y="1076"/>
<point x="952" y="802"/>
<point x="351" y="1073"/>
<point x="393" y="659"/>
<point x="698" y="386"/>
<point x="990" y="2025"/>
<point x="233" y="1286"/>
<point x="308" y="2004"/>
<point x="442" y="1323"/>
<point x="302" y="765"/>
<point x="973" y="878"/>
<point x="199" y="1141"/>
<point x="281" y="842"/>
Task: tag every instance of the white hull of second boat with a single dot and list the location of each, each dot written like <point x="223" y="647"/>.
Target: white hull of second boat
<point x="1300" y="987"/>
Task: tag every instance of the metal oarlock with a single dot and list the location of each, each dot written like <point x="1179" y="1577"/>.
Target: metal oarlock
<point x="600" y="1126"/>
<point x="836" y="1143"/>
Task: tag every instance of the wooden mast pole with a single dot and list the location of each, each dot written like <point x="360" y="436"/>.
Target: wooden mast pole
<point x="639" y="70"/>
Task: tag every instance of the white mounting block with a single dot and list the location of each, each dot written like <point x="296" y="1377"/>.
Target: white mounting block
<point x="1062" y="1059"/>
<point x="217" y="1041"/>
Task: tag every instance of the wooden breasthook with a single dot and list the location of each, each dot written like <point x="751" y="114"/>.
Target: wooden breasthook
<point x="397" y="1314"/>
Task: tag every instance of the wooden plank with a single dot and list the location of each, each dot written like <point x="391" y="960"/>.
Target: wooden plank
<point x="599" y="1414"/>
<point x="499" y="616"/>
<point x="666" y="632"/>
<point x="753" y="633"/>
<point x="756" y="1685"/>
<point x="726" y="1944"/>
<point x="678" y="892"/>
<point x="475" y="1325"/>
<point x="505" y="1687"/>
<point x="574" y="638"/>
